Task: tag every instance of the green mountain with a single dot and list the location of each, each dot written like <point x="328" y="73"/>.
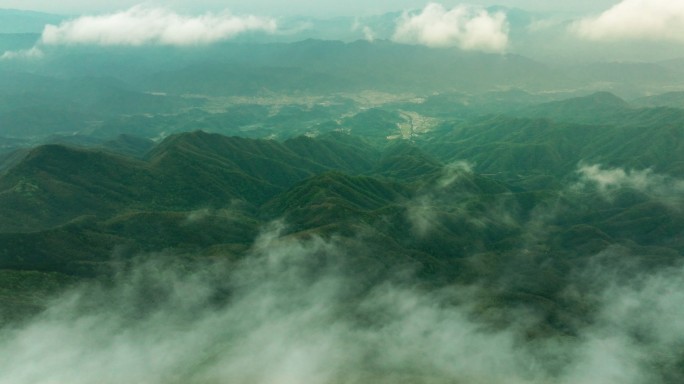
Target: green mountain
<point x="595" y="108"/>
<point x="524" y="212"/>
<point x="14" y="21"/>
<point x="505" y="145"/>
<point x="404" y="161"/>
<point x="336" y="200"/>
<point x="669" y="99"/>
<point x="97" y="199"/>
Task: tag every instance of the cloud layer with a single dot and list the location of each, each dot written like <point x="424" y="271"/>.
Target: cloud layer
<point x="141" y="25"/>
<point x="286" y="314"/>
<point x="463" y="26"/>
<point x="297" y="311"/>
<point x="636" y="20"/>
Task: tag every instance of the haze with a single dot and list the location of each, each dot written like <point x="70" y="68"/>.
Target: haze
<point x="322" y="192"/>
<point x="580" y="31"/>
<point x="302" y="7"/>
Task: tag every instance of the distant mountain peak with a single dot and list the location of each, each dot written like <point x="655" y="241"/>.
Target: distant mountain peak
<point x="593" y="108"/>
<point x="605" y="98"/>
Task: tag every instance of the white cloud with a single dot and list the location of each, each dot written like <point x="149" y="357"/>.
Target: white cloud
<point x="637" y="323"/>
<point x="140" y="25"/>
<point x="664" y="188"/>
<point x="368" y="32"/>
<point x="636" y="20"/>
<point x="286" y="313"/>
<point x="463" y="26"/>
<point x="32" y="53"/>
<point x="302" y="311"/>
<point x="454" y="171"/>
<point x="606" y="179"/>
<point x="423" y="212"/>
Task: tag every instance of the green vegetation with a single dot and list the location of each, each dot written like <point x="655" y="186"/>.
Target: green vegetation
<point x="487" y="199"/>
<point x="488" y="180"/>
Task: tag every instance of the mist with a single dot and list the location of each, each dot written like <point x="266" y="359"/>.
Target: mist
<point x="608" y="182"/>
<point x="298" y="310"/>
<point x="198" y="196"/>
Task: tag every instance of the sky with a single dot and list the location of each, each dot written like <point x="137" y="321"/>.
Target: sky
<point x="298" y="7"/>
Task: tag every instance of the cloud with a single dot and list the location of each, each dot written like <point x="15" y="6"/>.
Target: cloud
<point x="368" y="34"/>
<point x="463" y="26"/>
<point x="141" y="25"/>
<point x="423" y="211"/>
<point x="612" y="178"/>
<point x="32" y="53"/>
<point x="304" y="311"/>
<point x="357" y="25"/>
<point x="293" y="311"/>
<point x="454" y="171"/>
<point x="608" y="180"/>
<point x="423" y="214"/>
<point x="635" y="20"/>
<point x="452" y="200"/>
<point x="635" y="336"/>
<point x="236" y="208"/>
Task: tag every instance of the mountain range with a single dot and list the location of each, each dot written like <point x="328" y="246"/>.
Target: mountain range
<point x="450" y="202"/>
<point x="287" y="208"/>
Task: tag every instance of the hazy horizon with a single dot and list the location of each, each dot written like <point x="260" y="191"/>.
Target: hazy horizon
<point x="302" y="7"/>
<point x="631" y="30"/>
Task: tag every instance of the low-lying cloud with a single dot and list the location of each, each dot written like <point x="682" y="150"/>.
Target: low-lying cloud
<point x="31" y="53"/>
<point x="635" y="20"/>
<point x="466" y="27"/>
<point x="142" y="25"/>
<point x="423" y="211"/>
<point x="368" y="32"/>
<point x="296" y="311"/>
<point x="608" y="180"/>
<point x="451" y="201"/>
<point x="291" y="312"/>
<point x="635" y="335"/>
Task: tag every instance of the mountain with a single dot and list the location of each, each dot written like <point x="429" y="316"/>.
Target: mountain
<point x="335" y="151"/>
<point x="129" y="145"/>
<point x="335" y="200"/>
<point x="592" y="109"/>
<point x="404" y="161"/>
<point x="41" y="121"/>
<point x="309" y="66"/>
<point x="54" y="184"/>
<point x="505" y="145"/>
<point x="499" y="215"/>
<point x="323" y="203"/>
<point x="34" y="106"/>
<point x="669" y="99"/>
<point x="16" y="21"/>
<point x="17" y="41"/>
<point x="283" y="90"/>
